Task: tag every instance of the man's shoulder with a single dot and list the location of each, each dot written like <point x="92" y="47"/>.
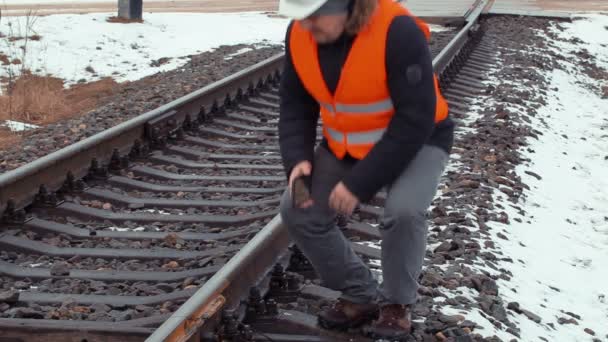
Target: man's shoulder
<point x="406" y="45"/>
<point x="287" y="34"/>
<point x="290" y="25"/>
<point x="405" y="40"/>
<point x="403" y="27"/>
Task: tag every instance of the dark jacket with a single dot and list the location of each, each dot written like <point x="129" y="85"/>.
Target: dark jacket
<point x="410" y="81"/>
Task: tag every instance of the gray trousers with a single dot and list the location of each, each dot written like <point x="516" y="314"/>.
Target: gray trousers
<point x="403" y="230"/>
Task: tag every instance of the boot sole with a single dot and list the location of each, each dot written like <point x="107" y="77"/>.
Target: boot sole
<point x="391" y="339"/>
<point x="394" y="338"/>
<point x="330" y="325"/>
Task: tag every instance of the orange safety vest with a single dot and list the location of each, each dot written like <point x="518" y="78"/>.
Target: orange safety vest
<point x="356" y="117"/>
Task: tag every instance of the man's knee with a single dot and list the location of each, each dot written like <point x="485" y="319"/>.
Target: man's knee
<point x="405" y="211"/>
<point x="404" y="224"/>
<point x="412" y="193"/>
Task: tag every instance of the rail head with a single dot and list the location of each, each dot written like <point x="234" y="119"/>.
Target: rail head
<point x="228" y="284"/>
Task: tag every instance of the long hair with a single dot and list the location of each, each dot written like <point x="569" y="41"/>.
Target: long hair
<point x="361" y="12"/>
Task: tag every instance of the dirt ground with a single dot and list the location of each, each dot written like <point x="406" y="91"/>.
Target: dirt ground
<point x="42" y="100"/>
<point x="149" y="6"/>
<point x="552" y="5"/>
<point x="578" y="5"/>
<point x="272" y="5"/>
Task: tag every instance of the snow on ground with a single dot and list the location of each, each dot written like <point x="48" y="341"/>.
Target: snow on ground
<point x="119" y="229"/>
<point x="72" y="43"/>
<point x="561" y="266"/>
<point x="17" y="126"/>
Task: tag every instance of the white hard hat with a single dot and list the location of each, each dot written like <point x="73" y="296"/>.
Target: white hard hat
<point x="299" y="9"/>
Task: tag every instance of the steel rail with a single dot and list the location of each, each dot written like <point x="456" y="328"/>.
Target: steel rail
<point x="447" y="54"/>
<point x="227" y="285"/>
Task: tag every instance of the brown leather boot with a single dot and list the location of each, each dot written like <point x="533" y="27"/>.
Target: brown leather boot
<point x="395" y="322"/>
<point x="345" y="314"/>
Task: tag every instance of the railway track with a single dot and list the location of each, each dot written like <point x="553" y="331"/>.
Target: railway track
<point x="165" y="227"/>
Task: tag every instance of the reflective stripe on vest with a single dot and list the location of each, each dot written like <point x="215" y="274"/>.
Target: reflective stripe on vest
<point x="327" y="107"/>
<point x="367" y="137"/>
<point x="374" y="107"/>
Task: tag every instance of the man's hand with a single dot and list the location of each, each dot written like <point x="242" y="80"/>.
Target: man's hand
<point x="342" y="200"/>
<point x="303" y="168"/>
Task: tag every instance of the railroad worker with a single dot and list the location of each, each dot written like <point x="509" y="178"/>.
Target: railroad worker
<point x="365" y="68"/>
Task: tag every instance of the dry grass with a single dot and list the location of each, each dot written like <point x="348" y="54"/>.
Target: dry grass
<point x="4" y="59"/>
<point x="42" y="100"/>
<point x="39" y="100"/>
<point x="120" y="20"/>
<point x="8" y="138"/>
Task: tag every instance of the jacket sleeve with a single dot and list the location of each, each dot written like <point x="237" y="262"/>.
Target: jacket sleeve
<point x="410" y="81"/>
<point x="299" y="114"/>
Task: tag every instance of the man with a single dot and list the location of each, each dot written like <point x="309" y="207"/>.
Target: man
<point x="364" y="66"/>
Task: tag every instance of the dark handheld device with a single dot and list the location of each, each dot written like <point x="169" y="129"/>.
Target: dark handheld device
<point x="300" y="190"/>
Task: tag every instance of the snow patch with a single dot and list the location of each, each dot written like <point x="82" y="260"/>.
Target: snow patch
<point x="118" y="229"/>
<point x="239" y="52"/>
<point x="72" y="44"/>
<point x="17" y="126"/>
